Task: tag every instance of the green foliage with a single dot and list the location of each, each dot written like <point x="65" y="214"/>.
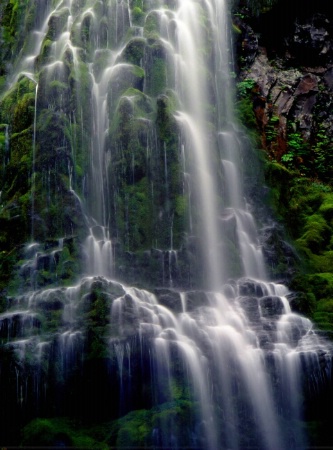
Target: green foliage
<point x="245" y="87"/>
<point x="306" y="208"/>
<point x="271" y="134"/>
<point x="245" y="113"/>
<point x="244" y="104"/>
<point x="298" y="155"/>
<point x="288" y="158"/>
<point x="295" y="142"/>
<point x="315" y="160"/>
<point x="323" y="155"/>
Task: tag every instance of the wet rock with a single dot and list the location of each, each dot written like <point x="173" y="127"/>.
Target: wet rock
<point x="127" y="323"/>
<point x="248" y="287"/>
<point x="250" y="305"/>
<point x="229" y="289"/>
<point x="170" y="299"/>
<point x="307" y="84"/>
<point x="18" y="324"/>
<point x="265" y="341"/>
<point x="98" y="232"/>
<point x="134" y="51"/>
<point x="53" y="303"/>
<point x="280" y="257"/>
<point x="195" y="299"/>
<point x="289" y="94"/>
<point x="228" y="223"/>
<point x="125" y="76"/>
<point x="271" y="306"/>
<point x="262" y="73"/>
<point x="247" y="42"/>
<point x="47" y="262"/>
<point x="328" y="77"/>
<point x="56" y="23"/>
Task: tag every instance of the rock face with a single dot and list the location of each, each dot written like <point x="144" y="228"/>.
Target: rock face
<point x="312" y="40"/>
<point x="54" y="342"/>
<point x="291" y="65"/>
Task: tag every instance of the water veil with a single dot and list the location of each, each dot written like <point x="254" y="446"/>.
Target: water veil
<point x="139" y="158"/>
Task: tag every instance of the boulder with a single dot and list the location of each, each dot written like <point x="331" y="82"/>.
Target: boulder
<point x="248" y="287"/>
<point x="169" y="298"/>
<point x="271" y="306"/>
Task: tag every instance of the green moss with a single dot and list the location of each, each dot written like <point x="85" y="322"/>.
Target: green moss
<point x="16" y="99"/>
<point x="316" y="234"/>
<point x="278" y="178"/>
<point x="101" y="62"/>
<point x="8" y="257"/>
<point x="320" y="263"/>
<point x="135" y="215"/>
<point x="13" y="17"/>
<point x="305" y="207"/>
<point x="127" y="76"/>
<point x="58" y="432"/>
<point x="134" y="51"/>
<point x="148" y="200"/>
<point x="56" y="23"/>
<point x="156" y="75"/>
<point x="326" y="208"/>
<point x="134" y="429"/>
<point x="138" y="16"/>
<point x="45" y="52"/>
<point x="165" y="121"/>
<point x="181" y="205"/>
<point x="245" y="113"/>
<point x="175" y="418"/>
<point x="151" y="26"/>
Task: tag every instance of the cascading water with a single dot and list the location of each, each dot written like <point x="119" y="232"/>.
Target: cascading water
<point x="135" y="102"/>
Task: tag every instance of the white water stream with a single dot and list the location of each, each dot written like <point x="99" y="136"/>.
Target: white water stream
<point x="243" y="338"/>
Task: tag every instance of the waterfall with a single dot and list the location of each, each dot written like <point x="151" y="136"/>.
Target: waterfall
<point x="170" y="333"/>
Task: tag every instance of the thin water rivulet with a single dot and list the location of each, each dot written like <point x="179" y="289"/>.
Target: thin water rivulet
<point x="143" y="299"/>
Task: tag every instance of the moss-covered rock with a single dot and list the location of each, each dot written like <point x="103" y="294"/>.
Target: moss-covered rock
<point x="58" y="432"/>
<point x="134" y="51"/>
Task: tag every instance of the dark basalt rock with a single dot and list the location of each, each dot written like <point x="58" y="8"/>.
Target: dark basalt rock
<point x="250" y="306"/>
<point x="18" y="324"/>
<point x="170" y="299"/>
<point x="195" y="299"/>
<point x="265" y="341"/>
<point x="247" y="42"/>
<point x="279" y="255"/>
<point x="311" y="41"/>
<point x="328" y="78"/>
<point x="271" y="306"/>
<point x="248" y="287"/>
